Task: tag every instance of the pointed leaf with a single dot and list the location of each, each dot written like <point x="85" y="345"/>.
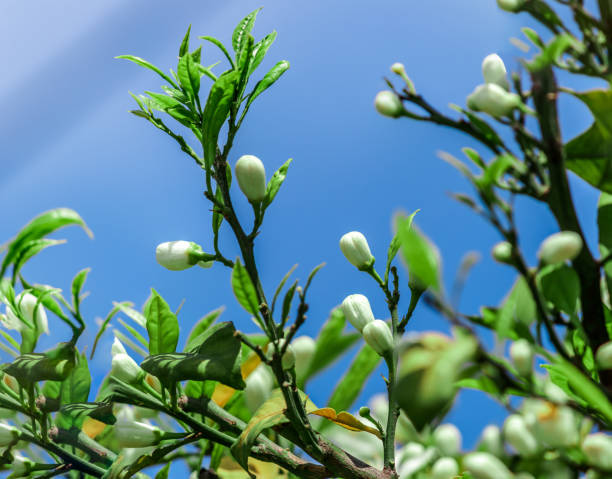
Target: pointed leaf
<point x="143" y="63"/>
<point x="162" y="325"/>
<point x="244" y="290"/>
<point x="242" y="30"/>
<point x="268" y="80"/>
<point x="275" y="183"/>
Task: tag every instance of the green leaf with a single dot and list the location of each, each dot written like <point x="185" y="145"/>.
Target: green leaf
<point x="216" y="111"/>
<point x="202" y="325"/>
<point x="517" y="309"/>
<point x="589" y="155"/>
<point x="100" y="411"/>
<point x="604" y="224"/>
<point x="553" y="52"/>
<point x="420" y="254"/>
<point x="75" y="389"/>
<point x="242" y="30"/>
<point x="331" y="343"/>
<point x="216" y="42"/>
<point x="481" y="125"/>
<point x="268" y="80"/>
<point x="395" y="245"/>
<point x="185" y="43"/>
<point x="260" y="49"/>
<point x="77" y="286"/>
<point x="189" y="75"/>
<point x="579" y="387"/>
<point x="146" y="64"/>
<point x="244" y="290"/>
<point x="162" y="325"/>
<point x="216" y="358"/>
<point x="244" y="62"/>
<point x="287" y="302"/>
<point x="353" y="381"/>
<point x="54" y="365"/>
<point x="30" y="249"/>
<point x="40" y="227"/>
<point x="270" y="414"/>
<point x="136" y="316"/>
<point x="275" y="183"/>
<point x="280" y="286"/>
<point x="163" y="472"/>
<point x="561" y="286"/>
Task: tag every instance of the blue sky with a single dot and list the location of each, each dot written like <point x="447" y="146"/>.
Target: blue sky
<point x="67" y="140"/>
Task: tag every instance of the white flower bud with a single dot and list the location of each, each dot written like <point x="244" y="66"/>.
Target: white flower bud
<point x="251" y="176"/>
<point x="510" y="5"/>
<point x="398" y="68"/>
<point x="378" y="336"/>
<point x="445" y="468"/>
<point x="447" y="439"/>
<point x="387" y="103"/>
<point x="357" y="311"/>
<point x="493" y="99"/>
<point x="117" y="347"/>
<point x="136" y="434"/>
<point x="179" y="255"/>
<point x="521" y="353"/>
<point x="259" y="385"/>
<point x="412" y="450"/>
<point x="483" y="465"/>
<point x="8" y="434"/>
<point x="502" y="252"/>
<point x="491" y="440"/>
<point x="125" y="369"/>
<point x="598" y="450"/>
<point x="604" y="356"/>
<point x="27" y="304"/>
<point x="519" y="437"/>
<point x="554" y="425"/>
<point x="560" y="247"/>
<point x="303" y="348"/>
<point x="288" y="360"/>
<point x="356" y="249"/>
<point x="494" y="71"/>
<point x="21" y="466"/>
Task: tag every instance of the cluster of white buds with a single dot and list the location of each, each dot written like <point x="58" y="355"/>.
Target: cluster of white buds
<point x="511" y="5"/>
<point x="377" y="335"/>
<point x="180" y="255"/>
<point x="560" y="247"/>
<point x="251" y="176"/>
<point x="123" y="366"/>
<point x="493" y="96"/>
<point x="31" y="310"/>
<point x="356" y="249"/>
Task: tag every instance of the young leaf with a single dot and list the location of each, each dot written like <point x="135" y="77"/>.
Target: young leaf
<point x="275" y="183"/>
<point x="395" y="245"/>
<point x="185" y="43"/>
<point x="287" y="302"/>
<point x="242" y="30"/>
<point x="77" y="286"/>
<point x="75" y="389"/>
<point x="146" y="64"/>
<point x="162" y="325"/>
<point x="260" y="49"/>
<point x="244" y="290"/>
<point x="280" y="286"/>
<point x="30" y="249"/>
<point x="268" y="80"/>
<point x="189" y="75"/>
<point x="202" y="325"/>
<point x="561" y="286"/>
<point x="40" y="227"/>
<point x="216" y="42"/>
<point x="420" y="254"/>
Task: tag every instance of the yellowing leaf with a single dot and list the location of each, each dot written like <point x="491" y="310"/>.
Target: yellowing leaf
<point x="230" y="469"/>
<point x="345" y="419"/>
<point x="92" y="427"/>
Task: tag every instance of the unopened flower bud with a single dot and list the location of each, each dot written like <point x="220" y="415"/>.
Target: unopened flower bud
<point x="117" y="347"/>
<point x="125" y="369"/>
<point x="303" y="348"/>
<point x="445" y="468"/>
<point x="180" y="255"/>
<point x="447" y="439"/>
<point x="521" y="353"/>
<point x="355" y="248"/>
<point x="412" y="450"/>
<point x="510" y="5"/>
<point x="519" y="437"/>
<point x="32" y="311"/>
<point x="502" y="252"/>
<point x="491" y="440"/>
<point x="251" y="176"/>
<point x="357" y="311"/>
<point x="483" y="465"/>
<point x="364" y="411"/>
<point x="494" y="71"/>
<point x="398" y="68"/>
<point x="378" y="336"/>
<point x="259" y="385"/>
<point x="8" y="434"/>
<point x="288" y="360"/>
<point x="604" y="356"/>
<point x="493" y="99"/>
<point x="21" y="466"/>
<point x="552" y="424"/>
<point x="136" y="434"/>
<point x="598" y="450"/>
<point x="560" y="247"/>
<point x="387" y="103"/>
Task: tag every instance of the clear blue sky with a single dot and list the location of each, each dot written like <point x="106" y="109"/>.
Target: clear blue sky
<point x="66" y="139"/>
